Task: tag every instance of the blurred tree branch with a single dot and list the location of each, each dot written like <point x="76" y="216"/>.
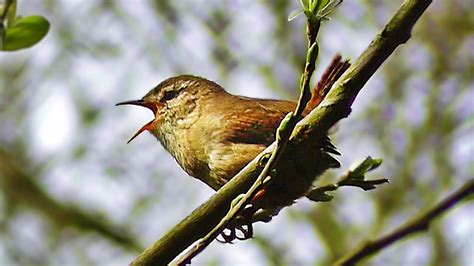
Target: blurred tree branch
<point x="20" y="188"/>
<point x="333" y="108"/>
<point x="417" y="224"/>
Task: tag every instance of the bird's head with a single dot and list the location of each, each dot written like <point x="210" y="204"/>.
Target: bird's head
<point x="172" y="101"/>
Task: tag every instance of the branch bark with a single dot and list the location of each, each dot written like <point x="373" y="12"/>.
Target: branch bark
<point x="418" y="224"/>
<point x="336" y="106"/>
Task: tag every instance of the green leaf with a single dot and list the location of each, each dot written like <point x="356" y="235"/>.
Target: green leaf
<point x="319" y="196"/>
<point x="324" y="3"/>
<point x="295" y="13"/>
<point x="314" y="6"/>
<point x="11" y="12"/>
<point x="25" y="32"/>
<point x="368" y="164"/>
<point x="326" y="9"/>
<point x="305" y="4"/>
<point x="317" y="9"/>
<point x="375" y="163"/>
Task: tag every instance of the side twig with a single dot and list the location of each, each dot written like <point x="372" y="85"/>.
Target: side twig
<point x="353" y="178"/>
<point x="418" y="224"/>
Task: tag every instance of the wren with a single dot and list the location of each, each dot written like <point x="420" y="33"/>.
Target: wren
<point x="213" y="134"/>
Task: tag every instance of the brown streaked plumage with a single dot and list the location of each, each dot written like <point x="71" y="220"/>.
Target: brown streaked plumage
<point x="213" y="134"/>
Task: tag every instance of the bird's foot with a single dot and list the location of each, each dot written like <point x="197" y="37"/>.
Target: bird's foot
<point x="241" y="227"/>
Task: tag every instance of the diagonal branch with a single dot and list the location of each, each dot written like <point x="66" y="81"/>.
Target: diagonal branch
<point x="336" y="106"/>
<point x="418" y="224"/>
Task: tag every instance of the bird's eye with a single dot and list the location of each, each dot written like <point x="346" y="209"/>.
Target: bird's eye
<point x="170" y="95"/>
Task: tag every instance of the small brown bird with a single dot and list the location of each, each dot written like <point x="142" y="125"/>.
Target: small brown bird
<point x="213" y="134"/>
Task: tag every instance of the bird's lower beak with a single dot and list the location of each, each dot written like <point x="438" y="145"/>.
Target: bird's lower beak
<point x="154" y="107"/>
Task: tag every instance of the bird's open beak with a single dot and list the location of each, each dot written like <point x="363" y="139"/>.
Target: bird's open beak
<point x="154" y="107"/>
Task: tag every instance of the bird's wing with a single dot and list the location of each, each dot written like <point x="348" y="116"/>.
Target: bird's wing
<point x="257" y="123"/>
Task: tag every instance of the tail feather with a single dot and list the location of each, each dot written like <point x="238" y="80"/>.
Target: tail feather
<point x="333" y="72"/>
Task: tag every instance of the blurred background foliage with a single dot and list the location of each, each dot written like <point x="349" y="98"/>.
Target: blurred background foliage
<point x="73" y="193"/>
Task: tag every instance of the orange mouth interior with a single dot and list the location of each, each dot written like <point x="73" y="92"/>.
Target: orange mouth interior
<point x="147" y="126"/>
<point x="154" y="107"/>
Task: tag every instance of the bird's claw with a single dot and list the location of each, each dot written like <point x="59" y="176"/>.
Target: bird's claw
<point x="227" y="238"/>
<point x="246" y="232"/>
<point x="245" y="228"/>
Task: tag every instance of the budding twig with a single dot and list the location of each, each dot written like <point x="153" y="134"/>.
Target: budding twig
<point x="354" y="178"/>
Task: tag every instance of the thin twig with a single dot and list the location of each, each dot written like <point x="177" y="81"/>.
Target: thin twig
<point x="283" y="135"/>
<point x="319" y="193"/>
<point x="418" y="224"/>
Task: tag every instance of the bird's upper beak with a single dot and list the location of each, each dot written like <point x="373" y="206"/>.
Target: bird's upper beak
<point x="153" y="106"/>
